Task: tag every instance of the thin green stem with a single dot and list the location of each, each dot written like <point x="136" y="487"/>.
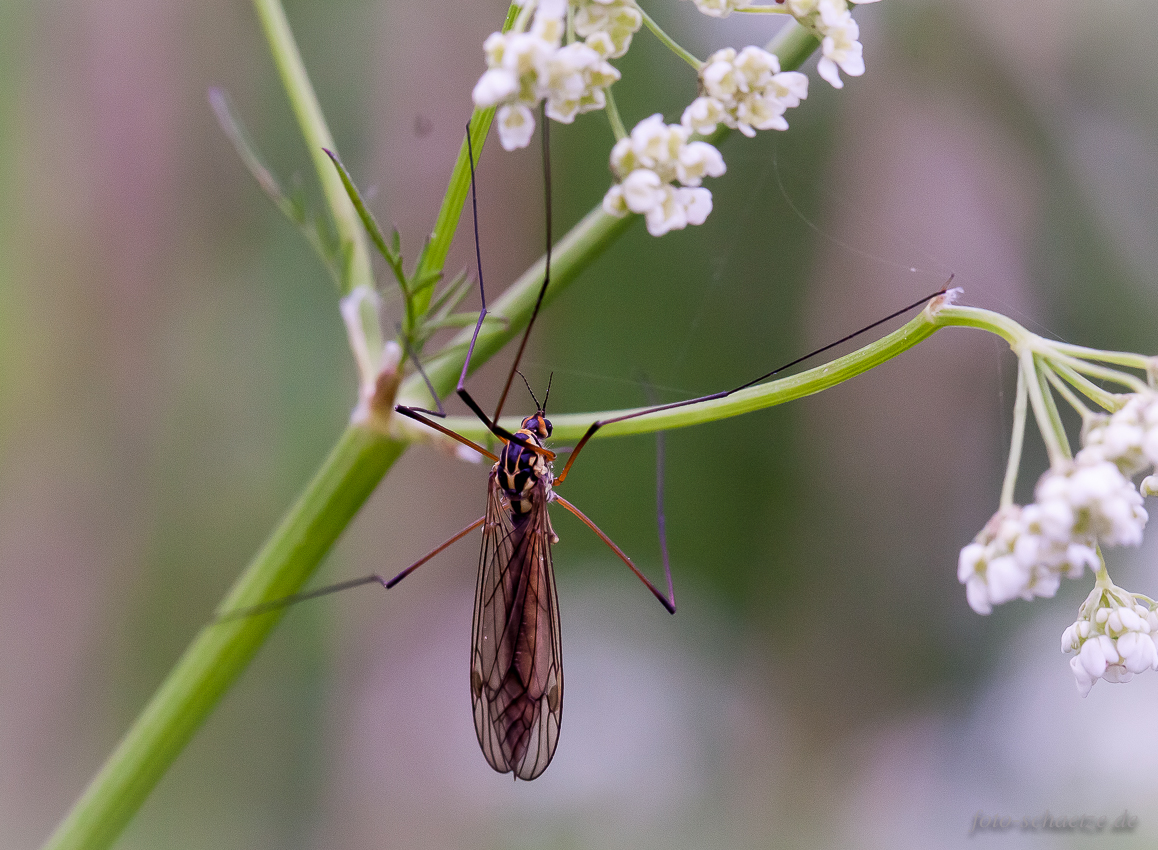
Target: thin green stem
<point x="434" y="254"/>
<point x="669" y="42"/>
<point x="793" y="44"/>
<point x="1105" y="400"/>
<point x="1016" y="443"/>
<point x="1068" y="394"/>
<point x="614" y="118"/>
<point x="1044" y="410"/>
<point x="317" y="136"/>
<point x="1119" y="358"/>
<point x="573" y="426"/>
<point x="1055" y="421"/>
<point x="1097" y="371"/>
<point x="987" y="320"/>
<point x="1102" y="575"/>
<point x="1033" y="386"/>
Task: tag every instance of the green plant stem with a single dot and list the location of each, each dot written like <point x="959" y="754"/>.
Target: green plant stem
<point x="1043" y="412"/>
<point x="669" y="42"/>
<point x="318" y="138"/>
<point x="221" y="651"/>
<point x="573" y="426"/>
<point x="1099" y="371"/>
<point x="1062" y="389"/>
<point x="583" y="243"/>
<point x="1105" y="400"/>
<point x="446" y="223"/>
<point x="1017" y="442"/>
<point x="1119" y="358"/>
<point x="614" y="118"/>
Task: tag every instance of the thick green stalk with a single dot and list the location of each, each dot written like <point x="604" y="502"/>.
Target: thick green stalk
<point x="220" y="652"/>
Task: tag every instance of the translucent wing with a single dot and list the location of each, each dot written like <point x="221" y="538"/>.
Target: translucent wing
<point x="516" y="672"/>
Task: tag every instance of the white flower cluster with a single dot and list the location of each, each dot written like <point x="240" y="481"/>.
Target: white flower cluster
<point x="720" y="8"/>
<point x="829" y="19"/>
<point x="1024" y="551"/>
<point x="1128" y="437"/>
<point x="648" y="164"/>
<point x="1114" y="638"/>
<point x="607" y="25"/>
<point x="524" y="68"/>
<point x="745" y="90"/>
<point x="1014" y="557"/>
<point x="840" y="48"/>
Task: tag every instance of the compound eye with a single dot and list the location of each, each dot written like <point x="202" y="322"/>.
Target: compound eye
<point x="546" y="426"/>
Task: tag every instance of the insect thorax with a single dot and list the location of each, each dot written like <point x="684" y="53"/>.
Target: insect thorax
<point x="520" y="468"/>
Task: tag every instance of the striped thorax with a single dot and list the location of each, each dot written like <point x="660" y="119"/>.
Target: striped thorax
<point x="520" y="467"/>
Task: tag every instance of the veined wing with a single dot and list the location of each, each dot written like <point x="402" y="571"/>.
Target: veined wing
<point x="516" y="673"/>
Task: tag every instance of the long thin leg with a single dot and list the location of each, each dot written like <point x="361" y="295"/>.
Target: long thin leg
<point x="545" y="124"/>
<point x="434" y="552"/>
<point x="441" y="412"/>
<point x="417" y="416"/>
<point x="595" y="426"/>
<point x="501" y="433"/>
<point x="492" y="422"/>
<point x="660" y="514"/>
<point x="667" y="601"/>
<point x="285" y="602"/>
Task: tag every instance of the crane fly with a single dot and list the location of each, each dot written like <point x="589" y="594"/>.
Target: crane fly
<point x="516" y="666"/>
<point x="516" y="656"/>
<point x="516" y="671"/>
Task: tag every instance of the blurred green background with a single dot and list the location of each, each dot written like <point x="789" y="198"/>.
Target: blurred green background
<point x="173" y="368"/>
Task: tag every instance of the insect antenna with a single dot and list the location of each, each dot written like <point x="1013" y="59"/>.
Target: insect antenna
<point x="550" y="378"/>
<point x="527" y="384"/>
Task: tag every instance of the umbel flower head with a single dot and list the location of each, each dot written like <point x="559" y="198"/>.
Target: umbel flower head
<point x="524" y="68"/>
<point x="745" y="91"/>
<point x="556" y="53"/>
<point x="649" y="163"/>
<point x="832" y="22"/>
<point x="1128" y="437"/>
<point x="1024" y="551"/>
<point x="1113" y="637"/>
<point x="1080" y="506"/>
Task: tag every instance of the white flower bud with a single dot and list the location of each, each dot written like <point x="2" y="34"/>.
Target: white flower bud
<point x="697" y="160"/>
<point x="697" y="204"/>
<point x="493" y="87"/>
<point x="642" y="190"/>
<point x="516" y="126"/>
<point x="703" y="115"/>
